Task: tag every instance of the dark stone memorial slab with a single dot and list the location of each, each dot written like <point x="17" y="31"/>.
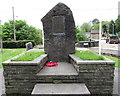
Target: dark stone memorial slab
<point x="59" y="33"/>
<point x="29" y="46"/>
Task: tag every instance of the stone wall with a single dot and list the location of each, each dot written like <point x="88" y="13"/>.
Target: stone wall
<point x="20" y="77"/>
<point x="58" y="79"/>
<point x="95" y="36"/>
<point x="97" y="75"/>
<point x="87" y="44"/>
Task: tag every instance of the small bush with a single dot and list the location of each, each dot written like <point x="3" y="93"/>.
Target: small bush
<point x="16" y="44"/>
<point x="119" y="34"/>
<point x="80" y="34"/>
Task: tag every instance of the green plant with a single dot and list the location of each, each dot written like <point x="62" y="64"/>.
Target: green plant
<point x="119" y="34"/>
<point x="29" y="56"/>
<point x="88" y="55"/>
<point x="16" y="44"/>
<point x="23" y="31"/>
<point x="117" y="61"/>
<point x="80" y="35"/>
<point x="86" y="26"/>
<point x="6" y="54"/>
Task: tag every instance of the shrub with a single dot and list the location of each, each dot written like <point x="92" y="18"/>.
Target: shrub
<point x="80" y="35"/>
<point x="23" y="31"/>
<point x="16" y="44"/>
<point x="119" y="34"/>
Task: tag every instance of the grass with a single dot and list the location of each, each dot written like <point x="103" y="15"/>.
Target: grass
<point x="88" y="55"/>
<point x="117" y="61"/>
<point x="9" y="53"/>
<point x="29" y="56"/>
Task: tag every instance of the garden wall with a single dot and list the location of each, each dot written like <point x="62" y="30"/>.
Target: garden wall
<point x="87" y="44"/>
<point x="97" y="75"/>
<point x="20" y="77"/>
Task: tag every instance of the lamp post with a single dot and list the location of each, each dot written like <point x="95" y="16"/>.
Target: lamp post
<point x="100" y="31"/>
<point x="113" y="29"/>
<point x="90" y="30"/>
<point x="96" y="21"/>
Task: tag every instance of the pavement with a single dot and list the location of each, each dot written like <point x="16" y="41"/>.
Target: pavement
<point x="61" y="89"/>
<point x="116" y="88"/>
<point x="109" y="49"/>
<point x="2" y="86"/>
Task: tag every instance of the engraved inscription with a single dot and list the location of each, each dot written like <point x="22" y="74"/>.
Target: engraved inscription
<point x="58" y="24"/>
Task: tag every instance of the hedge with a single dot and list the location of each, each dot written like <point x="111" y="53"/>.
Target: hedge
<point x="16" y="44"/>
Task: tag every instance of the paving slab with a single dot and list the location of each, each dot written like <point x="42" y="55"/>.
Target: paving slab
<point x="2" y="86"/>
<point x="62" y="69"/>
<point x="116" y="86"/>
<point x="60" y="89"/>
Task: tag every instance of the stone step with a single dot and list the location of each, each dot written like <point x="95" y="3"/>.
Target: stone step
<point x="62" y="69"/>
<point x="60" y="89"/>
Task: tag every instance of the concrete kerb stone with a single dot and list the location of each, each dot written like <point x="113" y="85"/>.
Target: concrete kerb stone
<point x="80" y="61"/>
<point x="36" y="61"/>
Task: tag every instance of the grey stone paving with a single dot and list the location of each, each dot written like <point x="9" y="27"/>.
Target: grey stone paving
<point x="107" y="48"/>
<point x="60" y="89"/>
<point x="2" y="87"/>
<point x="61" y="69"/>
<point x="116" y="89"/>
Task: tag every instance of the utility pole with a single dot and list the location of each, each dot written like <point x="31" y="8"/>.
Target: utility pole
<point x="113" y="29"/>
<point x="90" y="30"/>
<point x="100" y="31"/>
<point x="14" y="24"/>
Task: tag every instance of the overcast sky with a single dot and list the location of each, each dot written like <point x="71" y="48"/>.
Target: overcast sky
<point x="83" y="10"/>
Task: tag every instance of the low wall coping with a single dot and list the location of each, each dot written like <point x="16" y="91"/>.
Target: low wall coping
<point x="34" y="62"/>
<point x="80" y="61"/>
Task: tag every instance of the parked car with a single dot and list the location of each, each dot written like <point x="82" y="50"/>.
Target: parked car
<point x="113" y="39"/>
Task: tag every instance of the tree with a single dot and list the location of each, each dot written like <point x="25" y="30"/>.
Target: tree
<point x="95" y="21"/>
<point x="117" y="23"/>
<point x="95" y="27"/>
<point x="105" y="25"/>
<point x="112" y="27"/>
<point x="86" y="27"/>
<point x="23" y="31"/>
<point x="80" y="35"/>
